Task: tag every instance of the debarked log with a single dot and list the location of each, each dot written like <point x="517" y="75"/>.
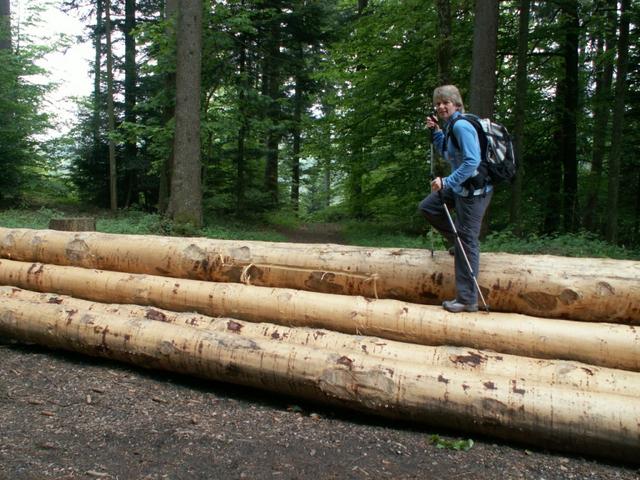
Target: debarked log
<point x="587" y="289"/>
<point x="576" y="375"/>
<point x="555" y="417"/>
<point x="608" y="345"/>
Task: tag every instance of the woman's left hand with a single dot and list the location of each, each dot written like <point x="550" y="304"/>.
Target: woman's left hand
<point x="436" y="184"/>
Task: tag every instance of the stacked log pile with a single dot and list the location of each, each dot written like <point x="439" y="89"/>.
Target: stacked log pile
<point x="560" y="367"/>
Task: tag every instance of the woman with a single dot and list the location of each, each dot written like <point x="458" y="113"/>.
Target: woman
<point x="464" y="190"/>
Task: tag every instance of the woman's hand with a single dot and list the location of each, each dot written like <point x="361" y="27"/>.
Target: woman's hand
<point x="436" y="184"/>
<point x="432" y="123"/>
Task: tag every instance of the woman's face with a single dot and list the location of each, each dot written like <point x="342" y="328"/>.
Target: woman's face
<point x="445" y="108"/>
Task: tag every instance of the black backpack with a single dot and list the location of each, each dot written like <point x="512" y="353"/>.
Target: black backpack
<point x="498" y="162"/>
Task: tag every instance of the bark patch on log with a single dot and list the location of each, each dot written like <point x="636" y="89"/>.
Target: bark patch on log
<point x="77" y="250"/>
<point x="234" y="326"/>
<point x="473" y="359"/>
<point x="346" y="361"/>
<point x="323" y="282"/>
<point x="35" y="269"/>
<point x="9" y="243"/>
<point x="242" y="254"/>
<point x="156" y="315"/>
<point x="568" y="296"/>
<point x="605" y="289"/>
<point x="540" y="301"/>
<point x="515" y="389"/>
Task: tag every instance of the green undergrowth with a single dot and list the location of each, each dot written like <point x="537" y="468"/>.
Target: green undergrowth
<point x="583" y="244"/>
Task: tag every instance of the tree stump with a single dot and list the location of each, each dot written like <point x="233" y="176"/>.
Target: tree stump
<point x="77" y="224"/>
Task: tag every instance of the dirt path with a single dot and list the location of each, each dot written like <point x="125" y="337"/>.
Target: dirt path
<point x="66" y="416"/>
<point x="314" y="233"/>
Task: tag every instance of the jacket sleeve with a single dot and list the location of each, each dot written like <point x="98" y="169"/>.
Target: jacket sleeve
<point x="437" y="138"/>
<point x="469" y="143"/>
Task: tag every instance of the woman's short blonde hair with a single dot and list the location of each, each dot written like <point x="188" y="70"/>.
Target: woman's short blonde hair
<point x="448" y="93"/>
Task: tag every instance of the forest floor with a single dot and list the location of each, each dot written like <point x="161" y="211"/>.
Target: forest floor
<point x="313" y="233"/>
<point x="68" y="416"/>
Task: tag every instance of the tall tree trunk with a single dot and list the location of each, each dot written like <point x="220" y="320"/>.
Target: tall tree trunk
<point x="130" y="80"/>
<point x="570" y="94"/>
<point x="327" y="182"/>
<point x="244" y="126"/>
<point x="164" y="192"/>
<point x="443" y="8"/>
<point x="553" y="170"/>
<point x="622" y="66"/>
<point x="357" y="154"/>
<point x="483" y="69"/>
<point x="113" y="175"/>
<point x="96" y="121"/>
<point x="271" y="88"/>
<point x="297" y="128"/>
<point x="520" y="114"/>
<point x="185" y="203"/>
<point x="602" y="99"/>
<point x="636" y="224"/>
<point x="5" y="24"/>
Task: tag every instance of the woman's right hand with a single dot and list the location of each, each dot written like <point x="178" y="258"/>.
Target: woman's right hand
<point x="432" y="123"/>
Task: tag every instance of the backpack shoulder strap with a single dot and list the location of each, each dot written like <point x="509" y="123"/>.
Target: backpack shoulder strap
<point x="473" y="120"/>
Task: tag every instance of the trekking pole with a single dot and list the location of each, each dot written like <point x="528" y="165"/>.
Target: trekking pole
<point x="464" y="253"/>
<point x="432" y="177"/>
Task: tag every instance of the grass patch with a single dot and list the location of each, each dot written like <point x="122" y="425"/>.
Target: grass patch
<point x="24" y="218"/>
<point x="583" y="244"/>
<point x="460" y="444"/>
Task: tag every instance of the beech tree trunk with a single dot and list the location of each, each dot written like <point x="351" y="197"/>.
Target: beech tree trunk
<point x="569" y="93"/>
<point x="133" y="170"/>
<point x="591" y="422"/>
<point x="602" y="99"/>
<point x="520" y="110"/>
<point x="587" y="289"/>
<point x="550" y="372"/>
<point x="615" y="346"/>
